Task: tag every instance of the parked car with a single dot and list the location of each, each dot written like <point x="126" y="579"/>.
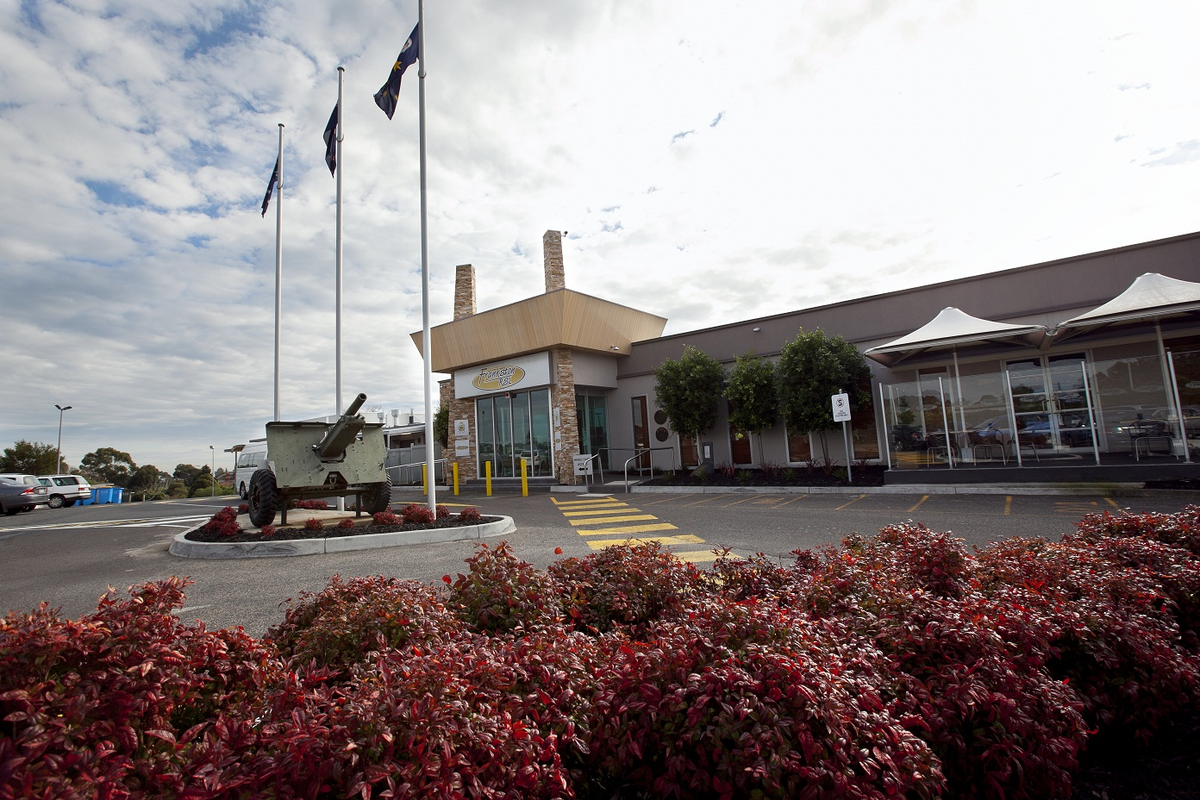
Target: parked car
<point x="16" y="497"/>
<point x="40" y="492"/>
<point x="65" y="490"/>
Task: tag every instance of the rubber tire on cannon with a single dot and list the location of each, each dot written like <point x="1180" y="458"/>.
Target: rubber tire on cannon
<point x="378" y="499"/>
<point x="262" y="497"/>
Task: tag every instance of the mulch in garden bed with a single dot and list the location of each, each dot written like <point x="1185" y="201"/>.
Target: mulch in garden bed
<point x="328" y="531"/>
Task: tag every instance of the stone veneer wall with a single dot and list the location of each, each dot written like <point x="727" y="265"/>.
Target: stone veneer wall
<point x="459" y="409"/>
<point x="552" y="257"/>
<point x="464" y="291"/>
<point x="562" y="399"/>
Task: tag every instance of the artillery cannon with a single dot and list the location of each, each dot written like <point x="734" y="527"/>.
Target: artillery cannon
<point x="317" y="459"/>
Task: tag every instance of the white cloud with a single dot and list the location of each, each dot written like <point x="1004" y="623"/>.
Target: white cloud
<point x="832" y="150"/>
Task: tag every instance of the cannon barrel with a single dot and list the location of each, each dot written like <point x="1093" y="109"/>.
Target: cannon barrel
<point x="341" y="433"/>
<point x="356" y="405"/>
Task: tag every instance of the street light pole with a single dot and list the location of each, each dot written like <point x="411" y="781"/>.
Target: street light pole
<point x="214" y="470"/>
<point x="58" y="449"/>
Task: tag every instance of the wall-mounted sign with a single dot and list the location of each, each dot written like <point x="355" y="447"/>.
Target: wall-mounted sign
<point x="462" y="447"/>
<point x="515" y="374"/>
<point x="461" y="427"/>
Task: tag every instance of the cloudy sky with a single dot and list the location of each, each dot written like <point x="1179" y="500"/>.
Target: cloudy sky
<point x="711" y="162"/>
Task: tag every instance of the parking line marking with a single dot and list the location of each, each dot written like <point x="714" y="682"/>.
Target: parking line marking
<point x="792" y="500"/>
<point x="918" y="505"/>
<point x="738" y="502"/>
<point x="660" y="526"/>
<point x="1007" y="504"/>
<point x="852" y="502"/>
<point x="607" y="520"/>
<point x="1113" y="503"/>
<point x="708" y="499"/>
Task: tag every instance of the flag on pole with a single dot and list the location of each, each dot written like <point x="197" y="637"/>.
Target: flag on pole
<point x="271" y="184"/>
<point x="331" y="140"/>
<point x="389" y="93"/>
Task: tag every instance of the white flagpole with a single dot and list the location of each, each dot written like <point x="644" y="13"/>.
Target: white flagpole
<point x="278" y="265"/>
<point x="341" y="167"/>
<point x="427" y="345"/>
<point x="338" y="236"/>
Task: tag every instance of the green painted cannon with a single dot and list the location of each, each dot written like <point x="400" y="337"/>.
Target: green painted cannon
<point x="317" y="459"/>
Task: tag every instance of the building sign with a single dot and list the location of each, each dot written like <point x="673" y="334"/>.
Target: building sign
<point x="462" y="447"/>
<point x="515" y="374"/>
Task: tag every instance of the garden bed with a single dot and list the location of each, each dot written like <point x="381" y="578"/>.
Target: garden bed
<point x="226" y="526"/>
<point x="864" y="475"/>
<point x="894" y="665"/>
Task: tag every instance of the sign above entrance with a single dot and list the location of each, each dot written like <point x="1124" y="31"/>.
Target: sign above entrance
<point x="515" y="374"/>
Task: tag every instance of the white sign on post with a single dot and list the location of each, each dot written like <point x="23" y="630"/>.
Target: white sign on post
<point x="583" y="464"/>
<point x="841" y="407"/>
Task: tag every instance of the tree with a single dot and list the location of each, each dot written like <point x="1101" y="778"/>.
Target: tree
<point x="29" y="458"/>
<point x="146" y="478"/>
<point x="186" y="473"/>
<point x="751" y="391"/>
<point x="108" y="465"/>
<point x="811" y="369"/>
<point x="688" y="391"/>
<point x="441" y="426"/>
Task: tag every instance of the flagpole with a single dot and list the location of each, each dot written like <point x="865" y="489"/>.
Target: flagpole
<point x="278" y="265"/>
<point x="427" y="345"/>
<point x="338" y="237"/>
<point x="341" y="167"/>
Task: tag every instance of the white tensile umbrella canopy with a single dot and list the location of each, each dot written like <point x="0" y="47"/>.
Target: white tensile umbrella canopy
<point x="950" y="329"/>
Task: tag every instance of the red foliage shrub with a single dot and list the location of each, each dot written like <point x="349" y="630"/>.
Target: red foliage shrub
<point x="470" y="514"/>
<point x="626" y="585"/>
<point x="386" y="518"/>
<point x="443" y="512"/>
<point x="243" y="508"/>
<point x="224" y="522"/>
<point x="413" y="513"/>
<point x="1115" y="638"/>
<point x="346" y="621"/>
<point x="747" y="700"/>
<point x="746" y="578"/>
<point x="313" y="524"/>
<point x="267" y="531"/>
<point x="346" y="524"/>
<point x="501" y="593"/>
<point x="311" y="505"/>
<point x="110" y="705"/>
<point x="1178" y="530"/>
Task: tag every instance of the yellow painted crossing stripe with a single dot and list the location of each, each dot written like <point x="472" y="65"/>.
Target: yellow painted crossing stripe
<point x="610" y="520"/>
<point x="658" y="526"/>
<point x="594" y="511"/>
<point x="664" y="540"/>
<point x="698" y="556"/>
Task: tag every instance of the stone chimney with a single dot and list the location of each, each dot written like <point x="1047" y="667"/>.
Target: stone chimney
<point x="464" y="291"/>
<point x="552" y="252"/>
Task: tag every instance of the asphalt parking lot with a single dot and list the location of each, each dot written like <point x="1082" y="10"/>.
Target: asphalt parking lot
<point x="69" y="557"/>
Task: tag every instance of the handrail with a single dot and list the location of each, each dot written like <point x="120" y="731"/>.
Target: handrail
<point x="416" y="465"/>
<point x="637" y="454"/>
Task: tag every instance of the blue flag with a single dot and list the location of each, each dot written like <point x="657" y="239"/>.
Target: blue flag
<point x="387" y="96"/>
<point x="271" y="184"/>
<point x="330" y="136"/>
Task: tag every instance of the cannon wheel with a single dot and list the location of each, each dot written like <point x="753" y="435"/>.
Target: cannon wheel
<point x="377" y="499"/>
<point x="263" y="497"/>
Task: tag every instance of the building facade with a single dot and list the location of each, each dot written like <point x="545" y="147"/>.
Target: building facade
<point x="1080" y="368"/>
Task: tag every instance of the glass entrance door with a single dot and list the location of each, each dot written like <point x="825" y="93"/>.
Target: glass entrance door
<point x="592" y="418"/>
<point x="1051" y="404"/>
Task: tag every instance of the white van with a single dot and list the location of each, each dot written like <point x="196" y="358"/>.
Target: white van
<point x="253" y="456"/>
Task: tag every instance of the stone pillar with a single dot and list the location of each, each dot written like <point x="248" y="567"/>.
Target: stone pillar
<point x="562" y="402"/>
<point x="464" y="291"/>
<point x="553" y="256"/>
<point x="459" y="410"/>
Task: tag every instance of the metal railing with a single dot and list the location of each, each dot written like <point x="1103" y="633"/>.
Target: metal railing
<point x="410" y="474"/>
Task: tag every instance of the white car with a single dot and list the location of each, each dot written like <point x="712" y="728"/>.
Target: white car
<point x="65" y="490"/>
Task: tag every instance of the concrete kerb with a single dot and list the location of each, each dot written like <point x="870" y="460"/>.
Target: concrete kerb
<point x="1116" y="489"/>
<point x="183" y="547"/>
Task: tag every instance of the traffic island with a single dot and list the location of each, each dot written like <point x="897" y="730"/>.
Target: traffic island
<point x="329" y="538"/>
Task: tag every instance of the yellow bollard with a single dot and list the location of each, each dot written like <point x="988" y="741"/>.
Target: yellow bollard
<point x="425" y="479"/>
<point x="487" y="471"/>
<point x="454" y="469"/>
<point x="524" y="478"/>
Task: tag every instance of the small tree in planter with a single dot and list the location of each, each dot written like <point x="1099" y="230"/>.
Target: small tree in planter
<point x="813" y="367"/>
<point x="753" y="404"/>
<point x="688" y="391"/>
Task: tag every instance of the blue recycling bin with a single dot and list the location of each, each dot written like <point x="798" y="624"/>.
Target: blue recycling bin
<point x="103" y="495"/>
<point x="116" y="494"/>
